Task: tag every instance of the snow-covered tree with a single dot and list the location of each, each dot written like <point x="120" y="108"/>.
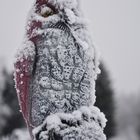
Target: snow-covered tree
<point x="18" y="134"/>
<point x="2" y="78"/>
<point x="5" y="111"/>
<point x="55" y="73"/>
<point x="15" y="120"/>
<point x="106" y="100"/>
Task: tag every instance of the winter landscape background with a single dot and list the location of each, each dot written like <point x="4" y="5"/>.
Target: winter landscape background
<point x="115" y="29"/>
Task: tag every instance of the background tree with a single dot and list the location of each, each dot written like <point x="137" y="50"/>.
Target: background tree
<point x="105" y="99"/>
<point x="5" y="111"/>
<point x="10" y="99"/>
<point x="138" y="110"/>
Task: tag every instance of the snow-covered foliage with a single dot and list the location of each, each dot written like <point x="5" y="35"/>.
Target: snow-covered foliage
<point x="55" y="72"/>
<point x="28" y="50"/>
<point x="18" y="134"/>
<point x="5" y="111"/>
<point x="2" y="77"/>
<point x="87" y="123"/>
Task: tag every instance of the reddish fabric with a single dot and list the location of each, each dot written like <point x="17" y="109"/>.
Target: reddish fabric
<point x="23" y="69"/>
<point x="23" y="73"/>
<point x="22" y="83"/>
<point x="39" y="3"/>
<point x="34" y="25"/>
<point x="23" y="76"/>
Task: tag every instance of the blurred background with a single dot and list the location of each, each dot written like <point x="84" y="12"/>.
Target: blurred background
<point x="114" y="26"/>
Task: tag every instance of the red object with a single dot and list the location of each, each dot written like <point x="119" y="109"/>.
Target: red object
<point x="23" y="75"/>
<point x="22" y="84"/>
<point x="23" y="69"/>
<point x="33" y="25"/>
<point x="39" y="3"/>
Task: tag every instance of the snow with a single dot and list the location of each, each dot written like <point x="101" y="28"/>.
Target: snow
<point x="45" y="10"/>
<point x="71" y="9"/>
<point x="70" y="15"/>
<point x="66" y="125"/>
<point x="27" y="49"/>
<point x="18" y="134"/>
<point x="17" y="70"/>
<point x="45" y="82"/>
<point x="21" y="75"/>
<point x="71" y="66"/>
<point x="77" y="115"/>
<point x="53" y="121"/>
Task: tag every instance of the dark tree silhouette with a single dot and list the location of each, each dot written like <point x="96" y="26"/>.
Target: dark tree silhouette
<point x="10" y="98"/>
<point x="104" y="100"/>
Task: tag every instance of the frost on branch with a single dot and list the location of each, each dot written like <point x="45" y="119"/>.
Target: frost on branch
<point x="55" y="73"/>
<point x="87" y="123"/>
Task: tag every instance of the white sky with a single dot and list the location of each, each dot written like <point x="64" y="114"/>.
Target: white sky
<point x="115" y="28"/>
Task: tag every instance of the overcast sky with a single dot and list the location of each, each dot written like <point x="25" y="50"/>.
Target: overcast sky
<point x="115" y="28"/>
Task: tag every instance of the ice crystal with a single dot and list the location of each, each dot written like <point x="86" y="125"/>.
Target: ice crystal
<point x="55" y="74"/>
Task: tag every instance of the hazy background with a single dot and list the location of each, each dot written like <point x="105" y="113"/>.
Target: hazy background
<point x="115" y="29"/>
<point x="115" y="26"/>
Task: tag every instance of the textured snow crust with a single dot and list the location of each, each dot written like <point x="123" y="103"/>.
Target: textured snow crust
<point x="61" y="67"/>
<point x="63" y="79"/>
<point x="27" y="51"/>
<point x="87" y="123"/>
<point x="18" y="134"/>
